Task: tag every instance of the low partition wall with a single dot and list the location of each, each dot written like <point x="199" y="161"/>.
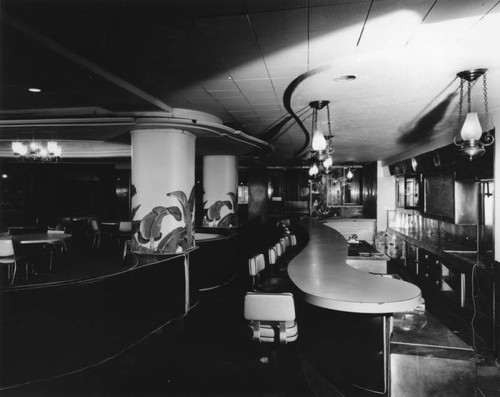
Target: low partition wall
<point x="53" y="329"/>
<point x="215" y="261"/>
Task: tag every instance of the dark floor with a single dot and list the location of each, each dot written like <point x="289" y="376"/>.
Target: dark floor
<point x="208" y="352"/>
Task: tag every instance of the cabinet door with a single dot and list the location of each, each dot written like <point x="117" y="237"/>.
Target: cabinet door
<point x="412" y="192"/>
<point x="400" y="192"/>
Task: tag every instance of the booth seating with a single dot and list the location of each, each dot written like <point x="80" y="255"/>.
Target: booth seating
<point x="271" y="317"/>
<point x="262" y="279"/>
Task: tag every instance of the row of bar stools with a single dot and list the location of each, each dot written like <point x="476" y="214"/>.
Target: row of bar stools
<point x="279" y="254"/>
<point x="262" y="278"/>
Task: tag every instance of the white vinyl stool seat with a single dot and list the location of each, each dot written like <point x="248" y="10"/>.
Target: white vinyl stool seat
<point x="271" y="254"/>
<point x="271" y="317"/>
<point x="279" y="249"/>
<point x="256" y="264"/>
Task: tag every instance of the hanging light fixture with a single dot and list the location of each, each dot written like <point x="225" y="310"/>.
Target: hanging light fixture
<point x="321" y="146"/>
<point x="349" y="174"/>
<point x="471" y="140"/>
<point x="328" y="162"/>
<point x="37" y="151"/>
<point x="319" y="142"/>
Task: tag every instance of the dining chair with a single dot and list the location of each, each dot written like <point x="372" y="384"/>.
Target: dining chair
<point x="53" y="246"/>
<point x="98" y="233"/>
<point x="8" y="257"/>
<point x="124" y="231"/>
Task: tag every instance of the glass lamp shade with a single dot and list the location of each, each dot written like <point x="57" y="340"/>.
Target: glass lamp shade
<point x="57" y="151"/>
<point x="16" y="147"/>
<point x="349" y="174"/>
<point x="471" y="130"/>
<point x="34" y="147"/>
<point x="19" y="148"/>
<point x="313" y="170"/>
<point x="23" y="149"/>
<point x="318" y="141"/>
<point x="328" y="162"/>
<point x="51" y="146"/>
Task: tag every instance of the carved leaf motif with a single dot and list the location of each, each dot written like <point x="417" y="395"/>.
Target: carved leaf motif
<point x="187" y="207"/>
<point x="172" y="240"/>
<point x="228" y="220"/>
<point x="150" y="226"/>
<point x="234" y="199"/>
<point x="214" y="211"/>
<point x="134" y="211"/>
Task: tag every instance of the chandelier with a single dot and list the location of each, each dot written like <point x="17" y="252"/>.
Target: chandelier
<point x="37" y="151"/>
<point x="471" y="140"/>
<point x="321" y="146"/>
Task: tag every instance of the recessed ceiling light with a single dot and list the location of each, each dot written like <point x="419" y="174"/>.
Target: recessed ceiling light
<point x="5" y="176"/>
<point x="34" y="89"/>
<point x="347" y="77"/>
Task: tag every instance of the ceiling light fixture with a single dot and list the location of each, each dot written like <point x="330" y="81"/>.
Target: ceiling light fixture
<point x="346" y="77"/>
<point x="34" y="89"/>
<point x="37" y="151"/>
<point x="321" y="146"/>
<point x="471" y="140"/>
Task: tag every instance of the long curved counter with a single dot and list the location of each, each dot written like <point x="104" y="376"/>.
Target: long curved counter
<point x="320" y="272"/>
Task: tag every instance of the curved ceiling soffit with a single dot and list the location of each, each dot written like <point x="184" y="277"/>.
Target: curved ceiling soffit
<point x="287" y="98"/>
<point x="215" y="129"/>
<point x="191" y="122"/>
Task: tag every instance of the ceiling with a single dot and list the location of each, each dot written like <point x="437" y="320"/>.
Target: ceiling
<point x="253" y="64"/>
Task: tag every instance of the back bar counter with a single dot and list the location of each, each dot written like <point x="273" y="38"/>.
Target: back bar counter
<point x="369" y="330"/>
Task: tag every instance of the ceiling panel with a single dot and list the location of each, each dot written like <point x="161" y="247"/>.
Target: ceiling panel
<point x="249" y="86"/>
<point x="230" y="35"/>
<point x="272" y="23"/>
<point x="338" y="17"/>
<point x="254" y="6"/>
<point x="241" y="68"/>
<point x="393" y="23"/>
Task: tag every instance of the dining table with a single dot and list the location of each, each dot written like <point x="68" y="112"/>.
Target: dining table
<point x="41" y="238"/>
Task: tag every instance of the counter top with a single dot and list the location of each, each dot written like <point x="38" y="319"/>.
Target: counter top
<point x="320" y="271"/>
<point x="464" y="256"/>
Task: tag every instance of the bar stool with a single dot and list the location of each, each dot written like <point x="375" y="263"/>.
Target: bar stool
<point x="271" y="317"/>
<point x="272" y="323"/>
<point x="262" y="280"/>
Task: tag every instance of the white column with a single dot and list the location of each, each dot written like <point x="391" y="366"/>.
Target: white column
<point x="496" y="191"/>
<point x="386" y="195"/>
<point x="163" y="178"/>
<point x="220" y="184"/>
